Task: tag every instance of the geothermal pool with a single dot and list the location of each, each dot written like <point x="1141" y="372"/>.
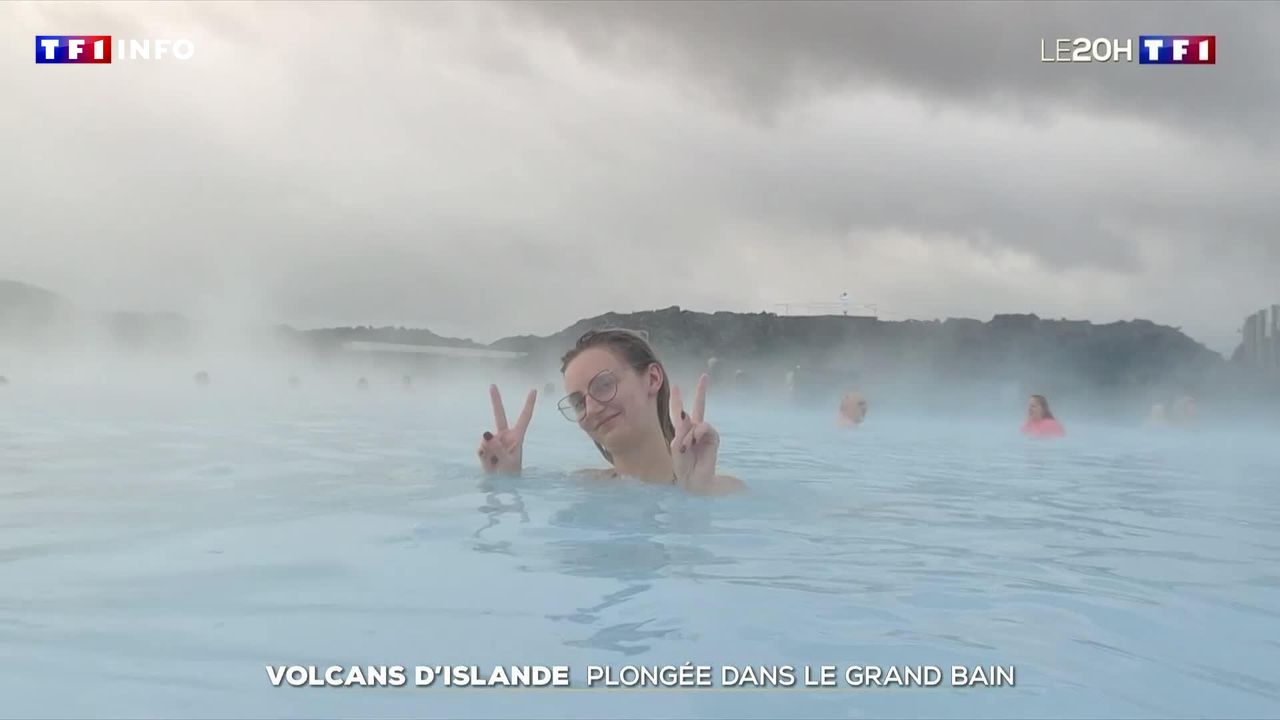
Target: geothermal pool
<point x="160" y="547"/>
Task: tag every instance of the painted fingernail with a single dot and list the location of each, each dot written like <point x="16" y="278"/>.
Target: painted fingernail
<point x="695" y="441"/>
<point x="488" y="435"/>
<point x="681" y="448"/>
<point x="683" y="416"/>
<point x="493" y="459"/>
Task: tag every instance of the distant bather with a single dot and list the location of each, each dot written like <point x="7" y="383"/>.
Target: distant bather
<point x="713" y="366"/>
<point x="1040" y="420"/>
<point x="202" y="378"/>
<point x="362" y="384"/>
<point x="853" y="410"/>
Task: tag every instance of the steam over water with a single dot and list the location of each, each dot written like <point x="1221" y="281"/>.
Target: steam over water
<point x="161" y="543"/>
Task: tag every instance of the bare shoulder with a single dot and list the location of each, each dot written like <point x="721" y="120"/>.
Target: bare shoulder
<point x="730" y="484"/>
<point x="723" y="485"/>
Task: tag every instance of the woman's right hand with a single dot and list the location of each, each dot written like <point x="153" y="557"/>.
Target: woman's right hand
<point x="502" y="450"/>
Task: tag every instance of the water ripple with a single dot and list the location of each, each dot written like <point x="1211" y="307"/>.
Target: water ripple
<point x="186" y="554"/>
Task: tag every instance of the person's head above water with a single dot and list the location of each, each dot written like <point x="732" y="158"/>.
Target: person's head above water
<point x="1038" y="408"/>
<point x="1040" y="420"/>
<point x="618" y="391"/>
<point x="853" y="409"/>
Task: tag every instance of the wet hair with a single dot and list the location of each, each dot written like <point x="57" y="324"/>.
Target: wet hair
<point x="1044" y="403"/>
<point x="633" y="348"/>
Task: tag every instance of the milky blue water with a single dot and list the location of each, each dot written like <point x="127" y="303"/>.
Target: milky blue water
<point x="158" y="549"/>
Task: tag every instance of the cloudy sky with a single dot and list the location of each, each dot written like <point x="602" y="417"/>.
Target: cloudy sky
<point x="485" y="170"/>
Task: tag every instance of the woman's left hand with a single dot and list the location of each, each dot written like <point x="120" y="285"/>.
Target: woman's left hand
<point x="696" y="444"/>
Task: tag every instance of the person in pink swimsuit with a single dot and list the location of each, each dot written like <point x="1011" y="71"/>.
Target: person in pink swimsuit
<point x="1040" y="420"/>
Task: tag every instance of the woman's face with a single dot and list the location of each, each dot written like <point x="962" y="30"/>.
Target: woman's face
<point x="1035" y="410"/>
<point x="853" y="407"/>
<point x="613" y="402"/>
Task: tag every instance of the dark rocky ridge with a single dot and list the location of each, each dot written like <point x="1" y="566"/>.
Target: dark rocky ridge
<point x="1120" y="363"/>
<point x="1115" y="365"/>
<point x="1114" y="352"/>
<point x="28" y="312"/>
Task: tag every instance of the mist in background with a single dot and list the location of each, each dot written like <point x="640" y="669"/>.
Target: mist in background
<point x="488" y="170"/>
<point x="465" y="174"/>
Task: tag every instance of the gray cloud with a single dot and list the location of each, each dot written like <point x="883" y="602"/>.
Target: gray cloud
<point x="766" y="55"/>
<point x="485" y="170"/>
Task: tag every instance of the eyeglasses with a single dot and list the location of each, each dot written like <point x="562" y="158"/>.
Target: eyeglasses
<point x="602" y="388"/>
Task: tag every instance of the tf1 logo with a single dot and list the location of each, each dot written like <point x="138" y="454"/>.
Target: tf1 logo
<point x="1151" y="50"/>
<point x="97" y="49"/>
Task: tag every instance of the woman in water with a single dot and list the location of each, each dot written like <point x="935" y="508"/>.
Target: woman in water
<point x="853" y="410"/>
<point x="620" y="396"/>
<point x="1040" y="420"/>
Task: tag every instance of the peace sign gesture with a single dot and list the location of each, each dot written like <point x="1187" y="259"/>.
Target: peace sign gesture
<point x="502" y="451"/>
<point x="696" y="444"/>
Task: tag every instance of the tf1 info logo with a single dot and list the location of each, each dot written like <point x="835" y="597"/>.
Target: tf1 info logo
<point x="1151" y="50"/>
<point x="97" y="49"/>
